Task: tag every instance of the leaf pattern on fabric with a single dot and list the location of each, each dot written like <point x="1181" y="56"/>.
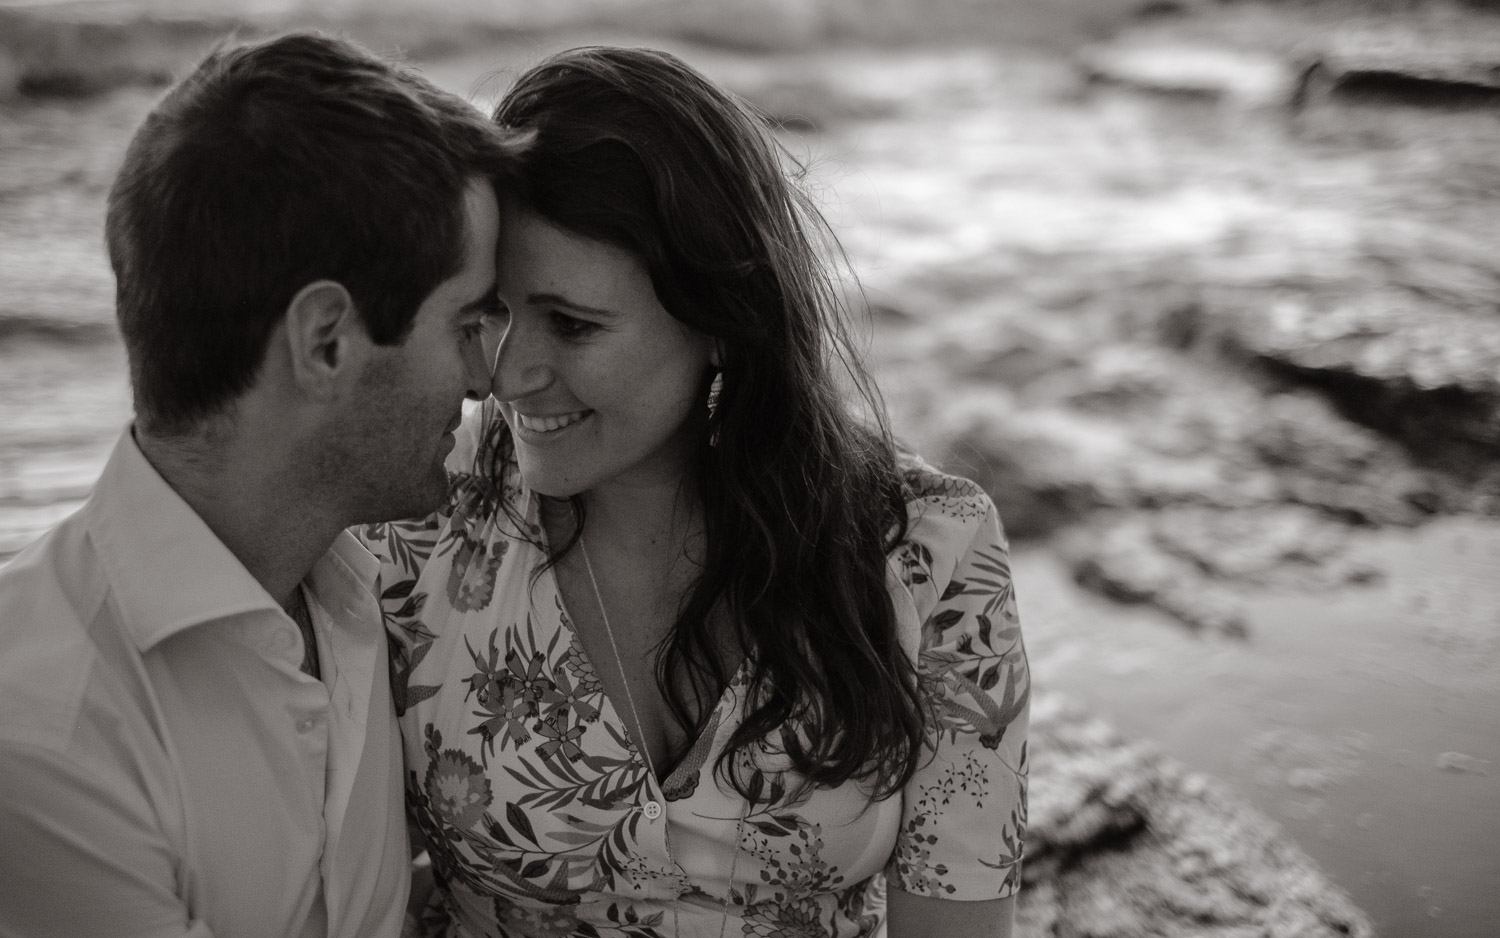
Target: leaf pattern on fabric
<point x="523" y="778"/>
<point x="975" y="677"/>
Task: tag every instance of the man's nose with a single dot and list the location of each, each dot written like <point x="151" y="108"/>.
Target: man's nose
<point x="478" y="360"/>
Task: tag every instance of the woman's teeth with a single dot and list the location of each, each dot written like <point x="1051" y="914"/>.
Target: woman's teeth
<point x="548" y="424"/>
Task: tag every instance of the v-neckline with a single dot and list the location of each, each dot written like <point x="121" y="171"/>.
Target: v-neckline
<point x="639" y="752"/>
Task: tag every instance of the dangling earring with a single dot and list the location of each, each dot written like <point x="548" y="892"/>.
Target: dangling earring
<point x="715" y="387"/>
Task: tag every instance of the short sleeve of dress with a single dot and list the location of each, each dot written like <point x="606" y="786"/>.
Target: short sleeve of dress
<point x="963" y="818"/>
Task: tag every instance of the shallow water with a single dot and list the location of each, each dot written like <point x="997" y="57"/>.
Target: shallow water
<point x="63" y="404"/>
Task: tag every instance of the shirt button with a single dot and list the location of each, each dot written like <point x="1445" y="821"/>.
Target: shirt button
<point x="306" y="724"/>
<point x="653" y="810"/>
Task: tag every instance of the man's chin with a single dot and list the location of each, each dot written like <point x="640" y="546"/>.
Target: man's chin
<point x="434" y="494"/>
<point x="417" y="501"/>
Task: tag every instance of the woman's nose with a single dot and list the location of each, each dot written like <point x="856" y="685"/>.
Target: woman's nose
<point x="520" y="364"/>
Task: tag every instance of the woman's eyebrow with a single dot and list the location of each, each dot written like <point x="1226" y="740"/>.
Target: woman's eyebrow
<point x="553" y="299"/>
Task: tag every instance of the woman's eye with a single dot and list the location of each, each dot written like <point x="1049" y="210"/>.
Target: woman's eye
<point x="570" y="328"/>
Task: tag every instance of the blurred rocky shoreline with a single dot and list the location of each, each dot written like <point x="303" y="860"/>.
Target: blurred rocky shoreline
<point x="1124" y="842"/>
<point x="1200" y="345"/>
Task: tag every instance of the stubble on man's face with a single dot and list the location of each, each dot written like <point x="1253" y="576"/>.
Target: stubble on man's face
<point x="396" y="428"/>
<point x="388" y="461"/>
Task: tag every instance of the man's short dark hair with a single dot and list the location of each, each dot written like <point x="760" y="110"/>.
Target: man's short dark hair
<point x="273" y="165"/>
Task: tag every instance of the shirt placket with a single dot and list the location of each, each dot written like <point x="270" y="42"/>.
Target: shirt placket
<point x="307" y="704"/>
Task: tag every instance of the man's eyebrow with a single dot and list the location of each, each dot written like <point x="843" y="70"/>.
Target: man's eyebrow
<point x="486" y="302"/>
<point x="553" y="299"/>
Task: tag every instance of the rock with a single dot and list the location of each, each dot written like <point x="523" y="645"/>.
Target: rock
<point x="11" y="71"/>
<point x="1181" y="558"/>
<point x="1125" y="843"/>
<point x="1120" y="379"/>
<point x="1324" y="461"/>
<point x="1424" y="374"/>
<point x="1002" y="352"/>
<point x="1280" y="546"/>
<point x="1125" y="563"/>
<point x="1074" y="430"/>
<point x="1163" y="66"/>
<point x="808" y="101"/>
<point x="1399" y="63"/>
<point x="1041" y="466"/>
<point x="1463" y="763"/>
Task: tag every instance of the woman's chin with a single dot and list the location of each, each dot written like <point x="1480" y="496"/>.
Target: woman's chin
<point x="550" y="485"/>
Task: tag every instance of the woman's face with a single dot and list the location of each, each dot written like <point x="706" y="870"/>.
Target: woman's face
<point x="600" y="385"/>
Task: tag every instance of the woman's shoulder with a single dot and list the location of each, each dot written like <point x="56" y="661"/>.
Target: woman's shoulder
<point x="948" y="517"/>
<point x="934" y="495"/>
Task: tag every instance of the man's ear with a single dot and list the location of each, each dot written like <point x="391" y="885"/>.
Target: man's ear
<point x="325" y="336"/>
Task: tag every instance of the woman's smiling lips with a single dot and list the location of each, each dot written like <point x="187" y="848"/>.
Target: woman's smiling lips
<point x="542" y="426"/>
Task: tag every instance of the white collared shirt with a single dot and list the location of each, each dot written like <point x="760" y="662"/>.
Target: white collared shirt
<point x="165" y="767"/>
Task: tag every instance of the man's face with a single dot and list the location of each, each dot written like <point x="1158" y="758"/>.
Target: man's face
<point x="411" y="396"/>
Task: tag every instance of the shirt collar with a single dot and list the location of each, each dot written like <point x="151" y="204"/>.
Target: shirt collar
<point x="168" y="571"/>
<point x="346" y="574"/>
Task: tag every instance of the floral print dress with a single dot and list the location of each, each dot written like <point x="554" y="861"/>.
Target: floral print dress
<point x="542" y="818"/>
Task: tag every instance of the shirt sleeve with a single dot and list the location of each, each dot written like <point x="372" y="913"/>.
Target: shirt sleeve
<point x="81" y="854"/>
<point x="963" y="818"/>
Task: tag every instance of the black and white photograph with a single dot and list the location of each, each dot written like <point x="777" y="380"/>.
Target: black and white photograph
<point x="756" y="468"/>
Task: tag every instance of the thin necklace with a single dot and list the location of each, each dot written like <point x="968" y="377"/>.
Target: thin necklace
<point x="640" y="732"/>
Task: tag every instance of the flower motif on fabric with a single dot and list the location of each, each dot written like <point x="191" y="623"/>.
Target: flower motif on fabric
<point x="443" y="839"/>
<point x="512" y="693"/>
<point x="559" y="740"/>
<point x="577" y="664"/>
<point x="457" y="789"/>
<point x="864" y="903"/>
<point x="784" y="920"/>
<point x="471" y="578"/>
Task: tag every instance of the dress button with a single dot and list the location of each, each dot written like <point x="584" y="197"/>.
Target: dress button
<point x="653" y="810"/>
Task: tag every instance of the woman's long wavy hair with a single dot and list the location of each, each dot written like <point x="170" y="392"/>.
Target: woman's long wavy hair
<point x="802" y="494"/>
